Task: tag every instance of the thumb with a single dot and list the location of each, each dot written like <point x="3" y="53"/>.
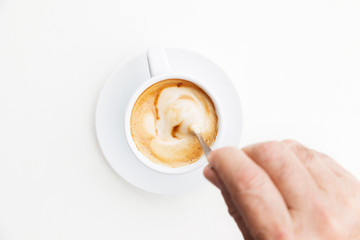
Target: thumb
<point x="252" y="192"/>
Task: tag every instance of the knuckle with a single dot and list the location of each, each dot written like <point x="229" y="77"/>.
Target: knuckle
<point x="290" y="142"/>
<point x="303" y="153"/>
<point x="320" y="155"/>
<point x="308" y="156"/>
<point x="269" y="146"/>
<point x="270" y="150"/>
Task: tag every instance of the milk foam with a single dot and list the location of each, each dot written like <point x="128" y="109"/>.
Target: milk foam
<point x="161" y="122"/>
<point x="178" y="107"/>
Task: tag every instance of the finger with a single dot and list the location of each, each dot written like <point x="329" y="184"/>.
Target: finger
<point x="252" y="192"/>
<point x="322" y="175"/>
<point x="336" y="168"/>
<point x="286" y="171"/>
<point x="211" y="175"/>
<point x="330" y="163"/>
<point x="233" y="211"/>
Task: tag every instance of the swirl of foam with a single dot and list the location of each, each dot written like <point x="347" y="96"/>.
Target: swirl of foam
<point x="178" y="109"/>
<point x="165" y="124"/>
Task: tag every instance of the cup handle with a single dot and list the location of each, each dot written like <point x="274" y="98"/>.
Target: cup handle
<point x="157" y="61"/>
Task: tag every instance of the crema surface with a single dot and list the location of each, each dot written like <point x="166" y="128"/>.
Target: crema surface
<point x="162" y="116"/>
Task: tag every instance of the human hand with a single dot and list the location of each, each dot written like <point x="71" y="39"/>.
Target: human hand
<point x="283" y="190"/>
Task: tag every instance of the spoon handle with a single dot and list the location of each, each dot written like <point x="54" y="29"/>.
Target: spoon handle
<point x="203" y="144"/>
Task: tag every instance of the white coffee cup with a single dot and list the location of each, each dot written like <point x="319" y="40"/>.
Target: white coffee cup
<point x="160" y="70"/>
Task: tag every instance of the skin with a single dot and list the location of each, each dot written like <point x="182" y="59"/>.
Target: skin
<point x="285" y="191"/>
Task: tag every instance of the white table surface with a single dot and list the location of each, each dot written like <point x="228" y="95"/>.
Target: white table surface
<point x="294" y="63"/>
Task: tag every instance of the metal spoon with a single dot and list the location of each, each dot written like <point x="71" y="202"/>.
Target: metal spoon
<point x="201" y="140"/>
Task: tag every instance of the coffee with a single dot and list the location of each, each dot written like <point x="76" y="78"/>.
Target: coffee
<point x="161" y="118"/>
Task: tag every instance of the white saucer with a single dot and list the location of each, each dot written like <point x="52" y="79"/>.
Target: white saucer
<point x="110" y="114"/>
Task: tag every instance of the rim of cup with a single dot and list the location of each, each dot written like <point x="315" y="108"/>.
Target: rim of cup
<point x="139" y="155"/>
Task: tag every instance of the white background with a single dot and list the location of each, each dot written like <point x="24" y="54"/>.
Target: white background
<point x="294" y="63"/>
